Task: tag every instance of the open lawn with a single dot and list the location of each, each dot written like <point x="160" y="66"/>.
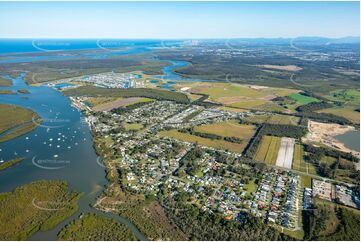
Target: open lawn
<point x="217" y="144"/>
<point x="228" y="129"/>
<point x="268" y="150"/>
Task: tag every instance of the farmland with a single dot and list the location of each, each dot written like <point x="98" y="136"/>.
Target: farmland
<point x="303" y="99"/>
<point x="268" y="150"/>
<point x="218" y="144"/>
<point x="285" y="153"/>
<point x="300" y="164"/>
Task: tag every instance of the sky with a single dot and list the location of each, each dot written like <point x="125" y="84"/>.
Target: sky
<point x="177" y="20"/>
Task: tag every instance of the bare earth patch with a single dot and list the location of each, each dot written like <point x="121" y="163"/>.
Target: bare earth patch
<point x="199" y="89"/>
<point x="230" y="100"/>
<point x="116" y="104"/>
<point x="325" y="133"/>
<point x="282" y="68"/>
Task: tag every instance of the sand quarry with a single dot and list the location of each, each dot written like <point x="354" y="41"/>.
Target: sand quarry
<point x="325" y="133"/>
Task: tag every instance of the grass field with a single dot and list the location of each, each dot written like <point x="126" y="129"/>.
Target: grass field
<point x="350" y="95"/>
<point x="303" y="99"/>
<point x="94" y="101"/>
<point x="306" y="181"/>
<point x="350" y="99"/>
<point x="268" y="150"/>
<point x="237" y="110"/>
<point x="217" y="144"/>
<point x="228" y="129"/>
<point x="142" y="100"/>
<point x="250" y="187"/>
<point x="240" y="96"/>
<point x="273" y="119"/>
<point x="300" y="164"/>
<point x="133" y="126"/>
<point x="248" y="104"/>
<point x="346" y="111"/>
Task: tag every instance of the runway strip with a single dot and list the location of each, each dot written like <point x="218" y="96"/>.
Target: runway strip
<point x="285" y="153"/>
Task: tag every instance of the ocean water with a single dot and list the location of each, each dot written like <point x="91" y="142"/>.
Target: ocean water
<point x="8" y="46"/>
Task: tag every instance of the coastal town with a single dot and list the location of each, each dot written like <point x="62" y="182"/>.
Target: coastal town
<point x="156" y="164"/>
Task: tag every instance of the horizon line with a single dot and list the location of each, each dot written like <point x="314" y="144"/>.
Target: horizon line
<point x="211" y="38"/>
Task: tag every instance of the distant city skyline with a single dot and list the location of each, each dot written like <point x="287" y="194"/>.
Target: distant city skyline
<point x="178" y="20"/>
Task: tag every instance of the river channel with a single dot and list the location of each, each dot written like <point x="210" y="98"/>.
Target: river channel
<point x="60" y="147"/>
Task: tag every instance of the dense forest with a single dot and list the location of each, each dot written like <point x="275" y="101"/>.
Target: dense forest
<point x="131" y="92"/>
<point x="39" y="205"/>
<point x="330" y="222"/>
<point x="199" y="225"/>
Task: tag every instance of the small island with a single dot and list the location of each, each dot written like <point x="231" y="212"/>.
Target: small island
<point x="10" y="163"/>
<point x="16" y="121"/>
<point x="23" y="91"/>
